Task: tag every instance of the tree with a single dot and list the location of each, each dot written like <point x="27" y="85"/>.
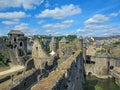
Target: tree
<point x="3" y="61"/>
<point x="71" y="37"/>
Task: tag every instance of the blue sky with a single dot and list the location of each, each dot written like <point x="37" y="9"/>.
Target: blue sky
<point x="60" y="17"/>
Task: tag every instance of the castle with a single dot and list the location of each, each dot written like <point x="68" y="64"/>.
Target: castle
<point x="63" y="67"/>
<point x="61" y="63"/>
<point x="17" y="44"/>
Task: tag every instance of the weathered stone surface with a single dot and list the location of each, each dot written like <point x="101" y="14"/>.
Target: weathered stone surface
<point x="41" y="58"/>
<point x="99" y="68"/>
<point x="53" y="45"/>
<point x="17" y="44"/>
<point x="67" y="76"/>
<point x="39" y="55"/>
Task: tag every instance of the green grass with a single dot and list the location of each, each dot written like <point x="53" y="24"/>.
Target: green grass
<point x="97" y="87"/>
<point x="101" y="51"/>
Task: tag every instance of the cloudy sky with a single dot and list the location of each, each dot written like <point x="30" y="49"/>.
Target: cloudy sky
<point x="60" y="17"/>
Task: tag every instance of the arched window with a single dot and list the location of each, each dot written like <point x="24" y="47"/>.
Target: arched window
<point x="36" y="48"/>
<point x="111" y="67"/>
<point x="14" y="39"/>
<point x="89" y="73"/>
<point x="37" y="51"/>
<point x="21" y="44"/>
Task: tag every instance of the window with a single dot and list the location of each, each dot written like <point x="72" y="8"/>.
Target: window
<point x="20" y="44"/>
<point x="36" y="48"/>
<point x="14" y="39"/>
<point x="37" y="51"/>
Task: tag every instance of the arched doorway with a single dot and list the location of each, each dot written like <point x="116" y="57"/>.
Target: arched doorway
<point x="89" y="73"/>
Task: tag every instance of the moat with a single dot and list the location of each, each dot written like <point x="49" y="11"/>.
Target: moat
<point x="93" y="83"/>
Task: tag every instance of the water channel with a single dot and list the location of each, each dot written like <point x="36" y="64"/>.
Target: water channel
<point x="93" y="83"/>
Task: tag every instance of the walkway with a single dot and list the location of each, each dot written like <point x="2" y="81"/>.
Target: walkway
<point x="11" y="70"/>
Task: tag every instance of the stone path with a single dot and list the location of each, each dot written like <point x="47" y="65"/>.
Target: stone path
<point x="11" y="70"/>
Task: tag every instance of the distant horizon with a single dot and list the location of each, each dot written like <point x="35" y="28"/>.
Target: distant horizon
<point x="43" y="17"/>
<point x="118" y="34"/>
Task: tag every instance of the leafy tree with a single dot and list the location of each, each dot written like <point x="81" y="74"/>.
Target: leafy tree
<point x="116" y="43"/>
<point x="3" y="61"/>
<point x="71" y="37"/>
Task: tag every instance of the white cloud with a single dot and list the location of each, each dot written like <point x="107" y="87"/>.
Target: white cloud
<point x="26" y="4"/>
<point x="49" y="31"/>
<point x="59" y="13"/>
<point x="97" y="19"/>
<point x="21" y="26"/>
<point x="53" y="32"/>
<point x="57" y="33"/>
<point x="47" y="4"/>
<point x="80" y="31"/>
<point x="24" y="27"/>
<point x="62" y="25"/>
<point x="97" y="30"/>
<point x="41" y="21"/>
<point x="68" y="21"/>
<point x="13" y="15"/>
<point x="115" y="14"/>
<point x="10" y="22"/>
<point x="97" y="27"/>
<point x="96" y="24"/>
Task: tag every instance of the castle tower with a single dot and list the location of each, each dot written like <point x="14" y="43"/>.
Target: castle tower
<point x="62" y="42"/>
<point x="18" y="45"/>
<point x="39" y="55"/>
<point x="79" y="43"/>
<point x="53" y="45"/>
<point x="18" y="40"/>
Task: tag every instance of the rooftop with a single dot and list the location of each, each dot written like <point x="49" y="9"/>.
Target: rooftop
<point x="64" y="40"/>
<point x="16" y="32"/>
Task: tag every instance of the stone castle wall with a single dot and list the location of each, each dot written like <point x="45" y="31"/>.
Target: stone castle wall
<point x="99" y="68"/>
<point x="101" y="65"/>
<point x="24" y="81"/>
<point x="69" y="75"/>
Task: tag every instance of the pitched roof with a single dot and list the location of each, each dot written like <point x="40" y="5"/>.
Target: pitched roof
<point x="16" y="32"/>
<point x="64" y="40"/>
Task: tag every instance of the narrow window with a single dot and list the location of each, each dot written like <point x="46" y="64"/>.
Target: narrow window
<point x="21" y="44"/>
<point x="37" y="51"/>
<point x="14" y="39"/>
